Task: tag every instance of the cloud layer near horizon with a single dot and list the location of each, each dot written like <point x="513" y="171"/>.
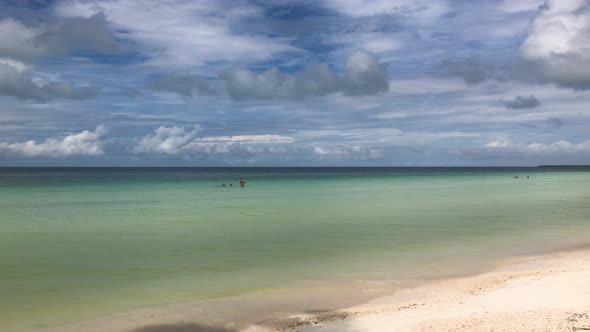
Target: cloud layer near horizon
<point x="86" y="143"/>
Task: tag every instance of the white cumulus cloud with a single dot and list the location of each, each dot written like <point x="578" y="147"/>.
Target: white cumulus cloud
<point x="558" y="43"/>
<point x="86" y="143"/>
<point x="165" y="140"/>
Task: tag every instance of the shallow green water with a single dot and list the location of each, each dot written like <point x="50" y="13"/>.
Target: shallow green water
<point x="76" y="244"/>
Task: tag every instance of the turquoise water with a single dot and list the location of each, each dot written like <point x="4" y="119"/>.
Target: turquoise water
<point x="82" y="243"/>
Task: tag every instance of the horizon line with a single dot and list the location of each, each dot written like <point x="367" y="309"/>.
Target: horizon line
<point x="423" y="166"/>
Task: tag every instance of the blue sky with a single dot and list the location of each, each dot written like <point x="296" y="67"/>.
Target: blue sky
<point x="294" y="83"/>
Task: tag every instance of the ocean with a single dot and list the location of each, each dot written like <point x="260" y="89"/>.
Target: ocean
<point x="83" y="243"/>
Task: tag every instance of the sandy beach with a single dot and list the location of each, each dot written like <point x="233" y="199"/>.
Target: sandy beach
<point x="533" y="293"/>
<point x="544" y="293"/>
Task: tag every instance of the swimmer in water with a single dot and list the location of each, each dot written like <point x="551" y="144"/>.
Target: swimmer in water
<point x="242" y="182"/>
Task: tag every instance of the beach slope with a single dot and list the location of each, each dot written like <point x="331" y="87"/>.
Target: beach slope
<point x="548" y="293"/>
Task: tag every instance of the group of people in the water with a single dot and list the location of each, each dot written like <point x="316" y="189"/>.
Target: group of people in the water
<point x="242" y="183"/>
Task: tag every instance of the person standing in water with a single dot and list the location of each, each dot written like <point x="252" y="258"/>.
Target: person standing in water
<point x="242" y="182"/>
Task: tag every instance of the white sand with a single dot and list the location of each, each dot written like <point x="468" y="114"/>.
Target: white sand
<point x="550" y="293"/>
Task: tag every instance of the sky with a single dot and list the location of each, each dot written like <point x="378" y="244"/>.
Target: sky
<point x="294" y="83"/>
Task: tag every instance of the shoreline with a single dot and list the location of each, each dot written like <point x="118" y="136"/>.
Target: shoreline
<point x="458" y="303"/>
<point x="549" y="292"/>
